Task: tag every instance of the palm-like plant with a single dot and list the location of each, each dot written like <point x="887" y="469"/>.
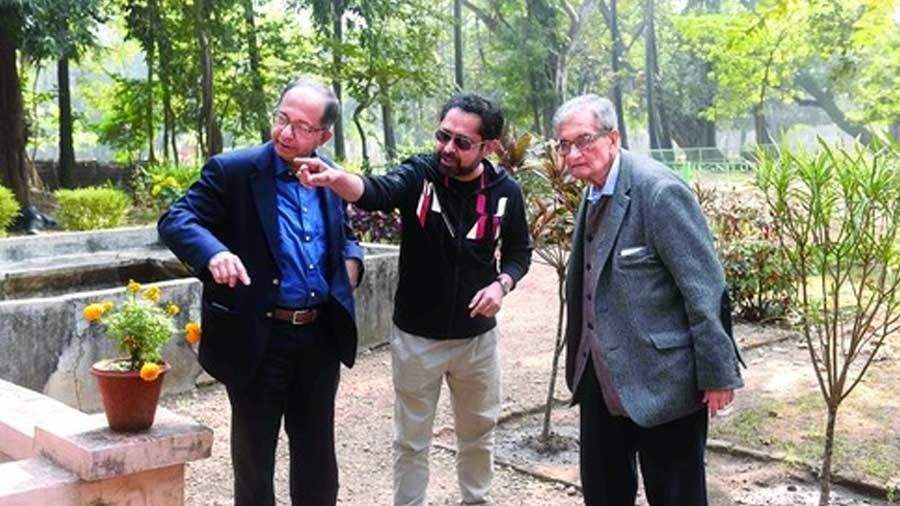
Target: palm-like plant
<point x="553" y="196"/>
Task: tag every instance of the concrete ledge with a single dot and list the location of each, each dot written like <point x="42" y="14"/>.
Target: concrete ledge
<point x="36" y="481"/>
<point x="93" y="452"/>
<point x="22" y="410"/>
<point x="13" y="249"/>
<point x="65" y="457"/>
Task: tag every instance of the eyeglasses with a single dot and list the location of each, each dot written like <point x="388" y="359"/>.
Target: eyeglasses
<point x="581" y="142"/>
<point x="281" y="120"/>
<point x="463" y="143"/>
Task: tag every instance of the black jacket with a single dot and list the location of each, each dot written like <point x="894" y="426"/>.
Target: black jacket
<point x="448" y="248"/>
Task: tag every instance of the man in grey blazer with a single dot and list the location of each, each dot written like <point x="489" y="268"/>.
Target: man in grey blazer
<point x="650" y="356"/>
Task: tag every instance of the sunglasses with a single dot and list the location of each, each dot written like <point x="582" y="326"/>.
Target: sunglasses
<point x="462" y="143"/>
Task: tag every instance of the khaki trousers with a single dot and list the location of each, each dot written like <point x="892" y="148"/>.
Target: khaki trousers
<point x="472" y="369"/>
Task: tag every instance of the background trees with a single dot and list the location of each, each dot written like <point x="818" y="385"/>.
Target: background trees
<point x="166" y="81"/>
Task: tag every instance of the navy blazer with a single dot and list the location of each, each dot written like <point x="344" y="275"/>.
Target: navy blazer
<point x="233" y="207"/>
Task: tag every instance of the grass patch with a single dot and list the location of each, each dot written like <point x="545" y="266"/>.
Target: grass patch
<point x="748" y="427"/>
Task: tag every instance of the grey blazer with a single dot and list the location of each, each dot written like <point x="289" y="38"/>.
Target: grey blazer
<point x="658" y="300"/>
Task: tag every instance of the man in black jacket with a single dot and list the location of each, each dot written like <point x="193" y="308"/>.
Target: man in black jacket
<point x="456" y="209"/>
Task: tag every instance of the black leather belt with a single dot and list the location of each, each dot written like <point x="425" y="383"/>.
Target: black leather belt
<point x="296" y="316"/>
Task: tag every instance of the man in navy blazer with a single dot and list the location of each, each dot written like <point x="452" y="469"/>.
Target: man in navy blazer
<point x="278" y="266"/>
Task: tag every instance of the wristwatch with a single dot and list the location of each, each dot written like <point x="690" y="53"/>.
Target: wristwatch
<point x="505" y="284"/>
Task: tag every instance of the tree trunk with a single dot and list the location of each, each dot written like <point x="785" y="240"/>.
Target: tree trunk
<point x="825" y="475"/>
<point x="257" y="94"/>
<point x="12" y="142"/>
<point x="458" y="43"/>
<point x="557" y="352"/>
<point x="151" y="155"/>
<point x="165" y="72"/>
<point x="207" y="105"/>
<point x="66" y="148"/>
<point x="340" y="150"/>
<point x="759" y="125"/>
<point x="357" y="120"/>
<point x="649" y="54"/>
<point x="617" y="54"/>
<point x="665" y="134"/>
<point x="825" y="100"/>
<point x="390" y="140"/>
<point x="540" y="16"/>
<point x="169" y="134"/>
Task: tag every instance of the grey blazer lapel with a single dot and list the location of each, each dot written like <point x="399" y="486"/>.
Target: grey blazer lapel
<point x="612" y="222"/>
<point x="576" y="253"/>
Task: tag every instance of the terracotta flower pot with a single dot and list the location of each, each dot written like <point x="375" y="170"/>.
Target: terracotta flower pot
<point x="129" y="401"/>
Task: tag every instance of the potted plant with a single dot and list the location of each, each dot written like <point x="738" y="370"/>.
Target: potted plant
<point x="130" y="385"/>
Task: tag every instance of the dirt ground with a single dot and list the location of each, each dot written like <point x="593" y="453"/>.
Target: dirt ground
<point x="778" y="376"/>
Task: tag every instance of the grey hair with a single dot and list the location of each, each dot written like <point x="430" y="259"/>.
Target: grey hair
<point x="603" y="110"/>
<point x="332" y="105"/>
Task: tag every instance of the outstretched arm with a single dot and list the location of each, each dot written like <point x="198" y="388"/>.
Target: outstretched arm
<point x="313" y="172"/>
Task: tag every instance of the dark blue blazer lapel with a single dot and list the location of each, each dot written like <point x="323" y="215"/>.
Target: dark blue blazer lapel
<point x="262" y="180"/>
<point x="334" y="226"/>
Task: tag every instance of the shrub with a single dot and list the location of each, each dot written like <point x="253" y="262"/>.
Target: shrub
<point x="140" y="326"/>
<point x="838" y="228"/>
<point x="758" y="278"/>
<point x="161" y="185"/>
<point x="9" y="209"/>
<point x="375" y="226"/>
<point x="91" y="208"/>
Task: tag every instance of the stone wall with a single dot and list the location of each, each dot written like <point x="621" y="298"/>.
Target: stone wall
<point x="87" y="173"/>
<point x="48" y="346"/>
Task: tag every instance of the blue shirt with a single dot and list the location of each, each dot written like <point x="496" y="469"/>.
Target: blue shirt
<point x="594" y="193"/>
<point x="302" y="242"/>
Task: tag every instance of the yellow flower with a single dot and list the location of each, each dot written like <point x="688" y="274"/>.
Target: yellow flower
<point x="152" y="293"/>
<point x="155" y="190"/>
<point x="133" y="286"/>
<point x="192" y="332"/>
<point x="173" y="309"/>
<point x="107" y="305"/>
<point x="93" y="312"/>
<point x="170" y="181"/>
<point x="150" y="371"/>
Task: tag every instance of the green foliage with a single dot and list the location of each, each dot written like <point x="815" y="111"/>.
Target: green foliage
<point x="124" y="125"/>
<point x="141" y="329"/>
<point x="837" y="221"/>
<point x="9" y="209"/>
<point x="751" y="60"/>
<point x="141" y="326"/>
<point x="850" y="47"/>
<point x="56" y="28"/>
<point x="166" y="183"/>
<point x="91" y="208"/>
<point x="758" y="279"/>
<point x="387" y="52"/>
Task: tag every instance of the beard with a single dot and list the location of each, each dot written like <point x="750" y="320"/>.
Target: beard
<point x="450" y="166"/>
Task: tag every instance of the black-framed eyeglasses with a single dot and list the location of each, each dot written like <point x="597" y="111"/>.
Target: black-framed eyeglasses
<point x="581" y="142"/>
<point x="301" y="127"/>
<point x="463" y="143"/>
